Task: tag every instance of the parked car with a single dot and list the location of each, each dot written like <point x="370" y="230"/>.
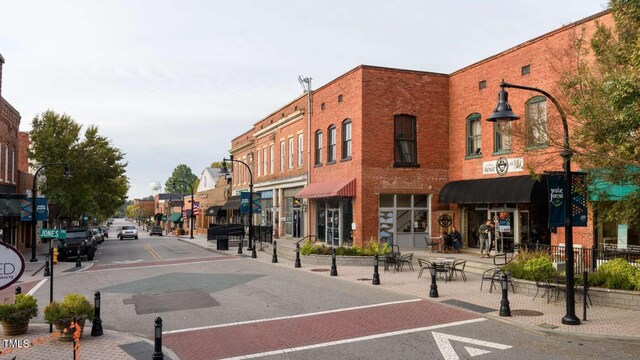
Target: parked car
<point x="105" y="231"/>
<point x="128" y="231"/>
<point x="77" y="239"/>
<point x="155" y="230"/>
<point x="95" y="233"/>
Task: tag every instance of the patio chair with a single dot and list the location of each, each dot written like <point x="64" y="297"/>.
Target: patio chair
<point x="458" y="267"/>
<point x="549" y="289"/>
<point x="443" y="269"/>
<point x="494" y="275"/>
<point x="424" y="265"/>
<point x="431" y="243"/>
<point x="392" y="259"/>
<point x="406" y="259"/>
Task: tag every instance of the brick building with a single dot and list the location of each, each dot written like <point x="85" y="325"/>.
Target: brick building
<point x="212" y="193"/>
<point x="398" y="155"/>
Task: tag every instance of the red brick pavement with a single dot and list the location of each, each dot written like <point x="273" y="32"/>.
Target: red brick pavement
<point x="8" y="292"/>
<point x="159" y="262"/>
<point x="229" y="341"/>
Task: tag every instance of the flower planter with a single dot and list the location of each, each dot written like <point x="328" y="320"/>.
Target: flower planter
<point x="67" y="335"/>
<point x="10" y="328"/>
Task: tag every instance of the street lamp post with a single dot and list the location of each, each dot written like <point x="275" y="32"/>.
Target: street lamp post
<point x="34" y="191"/>
<point x="224" y="170"/>
<point x="191" y="217"/>
<point x="503" y="114"/>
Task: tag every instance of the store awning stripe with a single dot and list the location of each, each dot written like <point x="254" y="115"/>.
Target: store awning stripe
<point x="337" y="188"/>
<point x="213" y="210"/>
<point x="511" y="189"/>
<point x="232" y="204"/>
<point x="175" y="217"/>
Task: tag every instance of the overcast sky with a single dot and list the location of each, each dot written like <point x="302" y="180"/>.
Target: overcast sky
<point x="172" y="82"/>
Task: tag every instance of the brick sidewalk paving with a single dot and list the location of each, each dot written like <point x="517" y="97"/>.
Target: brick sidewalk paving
<point x="603" y="322"/>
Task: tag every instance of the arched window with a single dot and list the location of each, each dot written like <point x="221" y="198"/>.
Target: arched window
<point x="346" y="139"/>
<point x="474" y="135"/>
<point x="331" y="144"/>
<point x="318" y="148"/>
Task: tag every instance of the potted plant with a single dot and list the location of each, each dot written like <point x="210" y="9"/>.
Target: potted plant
<point x="15" y="316"/>
<point x="61" y="314"/>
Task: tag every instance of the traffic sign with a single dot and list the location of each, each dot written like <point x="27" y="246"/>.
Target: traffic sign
<point x="53" y="233"/>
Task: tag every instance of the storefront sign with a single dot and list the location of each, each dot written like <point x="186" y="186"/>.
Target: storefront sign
<point x="503" y="166"/>
<point x="267" y="194"/>
<point x="555" y="183"/>
<point x="53" y="233"/>
<point x="504" y="222"/>
<point x="11" y="265"/>
<point x="623" y="229"/>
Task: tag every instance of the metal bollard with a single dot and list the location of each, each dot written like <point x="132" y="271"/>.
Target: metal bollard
<point x="239" y="243"/>
<point x="274" y="258"/>
<point x="376" y="275"/>
<point x="505" y="310"/>
<point x="18" y="290"/>
<point x="96" y="329"/>
<point x="157" y="352"/>
<point x="297" y="264"/>
<point x="46" y="273"/>
<point x="78" y="263"/>
<point x="433" y="293"/>
<point x="334" y="268"/>
<point x="585" y="289"/>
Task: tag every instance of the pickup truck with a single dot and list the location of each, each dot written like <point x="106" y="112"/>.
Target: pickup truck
<point x="77" y="239"/>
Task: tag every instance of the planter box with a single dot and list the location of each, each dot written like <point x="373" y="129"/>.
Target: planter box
<point x="325" y="260"/>
<point x="622" y="299"/>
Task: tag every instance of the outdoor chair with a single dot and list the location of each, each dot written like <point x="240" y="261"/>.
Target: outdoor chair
<point x="392" y="259"/>
<point x="431" y="243"/>
<point x="406" y="259"/>
<point x="458" y="267"/>
<point x="424" y="265"/>
<point x="442" y="269"/>
<point x="493" y="276"/>
<point x="549" y="289"/>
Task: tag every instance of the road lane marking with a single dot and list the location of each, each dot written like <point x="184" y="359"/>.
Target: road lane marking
<point x="290" y="317"/>
<point x="358" y="339"/>
<point x="448" y="352"/>
<point x="152" y="252"/>
<point x="35" y="288"/>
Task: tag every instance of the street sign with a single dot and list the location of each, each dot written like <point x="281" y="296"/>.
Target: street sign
<point x="53" y="233"/>
<point x="11" y="265"/>
<point x="448" y="352"/>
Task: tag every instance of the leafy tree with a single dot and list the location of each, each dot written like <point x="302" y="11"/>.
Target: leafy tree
<point x="216" y="164"/>
<point x="98" y="183"/>
<point x="182" y="176"/>
<point x="604" y="98"/>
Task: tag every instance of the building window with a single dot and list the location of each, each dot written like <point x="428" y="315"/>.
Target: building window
<point x="272" y="158"/>
<point x="403" y="214"/>
<point x="502" y="137"/>
<point x="300" y="150"/>
<point x="282" y="156"/>
<point x="13" y="166"/>
<point x="536" y="121"/>
<point x="318" y="148"/>
<point x="264" y="162"/>
<point x="291" y="152"/>
<point x="331" y="144"/>
<point x="525" y="69"/>
<point x="346" y="139"/>
<point x="259" y="163"/>
<point x="474" y="135"/>
<point x="6" y="163"/>
<point x="322" y="106"/>
<point x="340" y="98"/>
<point x="405" y="140"/>
<point x="482" y="84"/>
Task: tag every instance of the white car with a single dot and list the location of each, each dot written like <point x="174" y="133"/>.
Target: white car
<point x="128" y="231"/>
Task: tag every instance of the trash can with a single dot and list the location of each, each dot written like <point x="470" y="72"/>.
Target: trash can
<point x="222" y="243"/>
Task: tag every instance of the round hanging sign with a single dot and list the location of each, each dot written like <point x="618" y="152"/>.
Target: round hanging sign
<point x="445" y="220"/>
<point x="11" y="265"/>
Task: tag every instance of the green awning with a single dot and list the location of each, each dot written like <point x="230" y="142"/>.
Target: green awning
<point x="175" y="217"/>
<point x="601" y="188"/>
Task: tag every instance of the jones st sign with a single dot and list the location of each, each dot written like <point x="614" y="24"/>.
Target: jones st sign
<point x="53" y="233"/>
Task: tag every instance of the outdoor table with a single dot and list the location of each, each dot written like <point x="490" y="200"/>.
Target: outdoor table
<point x="446" y="264"/>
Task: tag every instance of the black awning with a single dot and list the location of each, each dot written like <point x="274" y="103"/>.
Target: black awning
<point x="512" y="189"/>
<point x="232" y="204"/>
<point x="10" y="207"/>
<point x="212" y="210"/>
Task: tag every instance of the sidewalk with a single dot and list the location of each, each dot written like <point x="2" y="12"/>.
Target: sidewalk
<point x="537" y="315"/>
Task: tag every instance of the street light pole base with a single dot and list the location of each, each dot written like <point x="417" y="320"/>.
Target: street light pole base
<point x="570" y="320"/>
<point x="33" y="260"/>
<point x="253" y="253"/>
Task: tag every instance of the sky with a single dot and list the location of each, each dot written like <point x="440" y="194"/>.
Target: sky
<point x="173" y="81"/>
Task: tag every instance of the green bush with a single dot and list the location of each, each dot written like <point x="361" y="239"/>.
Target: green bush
<point x="374" y="248"/>
<point x="635" y="279"/>
<point x="538" y="268"/>
<point x="72" y="306"/>
<point x="22" y="310"/>
<point x="348" y="251"/>
<point x="615" y="274"/>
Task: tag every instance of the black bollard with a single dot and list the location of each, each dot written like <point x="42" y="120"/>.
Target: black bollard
<point x="274" y="258"/>
<point x="505" y="310"/>
<point x="253" y="252"/>
<point x="18" y="290"/>
<point x="433" y="293"/>
<point x="239" y="244"/>
<point x="334" y="268"/>
<point x="96" y="329"/>
<point x="376" y="275"/>
<point x="297" y="264"/>
<point x="585" y="289"/>
<point x="157" y="352"/>
<point x="46" y="273"/>
<point x="78" y="263"/>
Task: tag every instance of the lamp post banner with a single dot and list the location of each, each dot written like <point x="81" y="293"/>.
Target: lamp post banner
<point x="557" y="199"/>
<point x="244" y="202"/>
<point x="42" y="209"/>
<point x="11" y="265"/>
<point x="578" y="199"/>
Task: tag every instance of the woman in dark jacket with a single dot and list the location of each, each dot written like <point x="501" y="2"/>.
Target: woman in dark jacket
<point x="447" y="241"/>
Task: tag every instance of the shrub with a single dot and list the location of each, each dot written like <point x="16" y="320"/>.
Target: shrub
<point x="373" y="247"/>
<point x="22" y="310"/>
<point x="538" y="268"/>
<point x="307" y="248"/>
<point x="635" y="279"/>
<point x="615" y="274"/>
<point x="73" y="305"/>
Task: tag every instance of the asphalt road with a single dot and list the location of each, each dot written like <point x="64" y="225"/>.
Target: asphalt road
<point x="216" y="306"/>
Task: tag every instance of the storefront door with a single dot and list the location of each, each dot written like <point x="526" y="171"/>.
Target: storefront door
<point x="297" y="222"/>
<point x="505" y="228"/>
<point x="333" y="227"/>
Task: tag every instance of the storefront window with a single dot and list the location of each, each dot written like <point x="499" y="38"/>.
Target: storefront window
<point x="404" y="219"/>
<point x="386" y="201"/>
<point x="321" y="220"/>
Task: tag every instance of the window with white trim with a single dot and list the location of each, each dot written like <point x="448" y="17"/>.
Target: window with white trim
<point x="282" y="156"/>
<point x="291" y="152"/>
<point x="331" y="144"/>
<point x="300" y="150"/>
<point x="264" y="161"/>
<point x="272" y="158"/>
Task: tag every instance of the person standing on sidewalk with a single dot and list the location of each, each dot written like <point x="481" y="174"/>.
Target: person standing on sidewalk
<point x="484" y="233"/>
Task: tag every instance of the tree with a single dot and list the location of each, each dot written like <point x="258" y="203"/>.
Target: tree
<point x="98" y="183"/>
<point x="604" y="98"/>
<point x="182" y="176"/>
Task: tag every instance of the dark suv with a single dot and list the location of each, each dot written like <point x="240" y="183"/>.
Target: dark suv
<point x="77" y="239"/>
